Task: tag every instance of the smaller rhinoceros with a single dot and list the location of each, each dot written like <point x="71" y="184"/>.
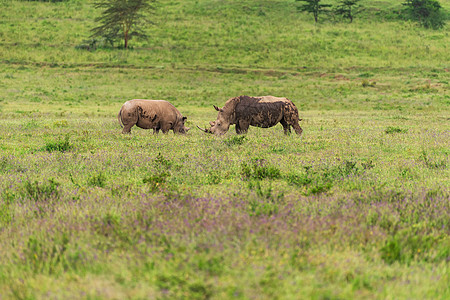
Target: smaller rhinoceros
<point x="151" y="114"/>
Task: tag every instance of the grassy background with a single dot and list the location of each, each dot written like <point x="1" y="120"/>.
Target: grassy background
<point x="358" y="207"/>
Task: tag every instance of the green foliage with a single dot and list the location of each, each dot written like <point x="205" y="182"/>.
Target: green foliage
<point x="162" y="162"/>
<point x="41" y="192"/>
<point x="98" y="180"/>
<point x="235" y="140"/>
<point x="59" y="145"/>
<point x="265" y="203"/>
<point x="61" y="123"/>
<point x="320" y="179"/>
<point x="121" y="19"/>
<point x="367" y="83"/>
<point x="407" y="246"/>
<point x="53" y="1"/>
<point x="6" y="214"/>
<point x="259" y="169"/>
<point x="156" y="181"/>
<point x="314" y="7"/>
<point x="393" y="129"/>
<point x="433" y="162"/>
<point x="213" y="177"/>
<point x="43" y="256"/>
<point x="348" y="9"/>
<point x="429" y="13"/>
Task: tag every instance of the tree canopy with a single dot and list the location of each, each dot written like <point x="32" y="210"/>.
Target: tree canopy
<point x="122" y="19"/>
<point x="314" y="7"/>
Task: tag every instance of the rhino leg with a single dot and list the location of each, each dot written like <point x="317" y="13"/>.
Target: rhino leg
<point x="165" y="127"/>
<point x="242" y="127"/>
<point x="286" y="127"/>
<point x="129" y="119"/>
<point x="127" y="128"/>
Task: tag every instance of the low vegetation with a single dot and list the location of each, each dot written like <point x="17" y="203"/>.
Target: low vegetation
<point x="355" y="208"/>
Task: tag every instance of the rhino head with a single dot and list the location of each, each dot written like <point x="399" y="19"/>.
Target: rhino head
<point x="221" y="125"/>
<point x="181" y="128"/>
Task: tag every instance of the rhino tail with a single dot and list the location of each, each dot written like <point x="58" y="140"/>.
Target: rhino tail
<point x="119" y="117"/>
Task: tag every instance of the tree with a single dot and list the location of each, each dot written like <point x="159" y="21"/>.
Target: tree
<point x="122" y="19"/>
<point x="314" y="7"/>
<point x="429" y="13"/>
<point x="347" y="9"/>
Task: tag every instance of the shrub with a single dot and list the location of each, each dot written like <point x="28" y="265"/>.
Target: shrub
<point x="257" y="169"/>
<point x="157" y="180"/>
<point x="41" y="191"/>
<point x="433" y="163"/>
<point x="6" y="214"/>
<point x="428" y="13"/>
<point x="347" y="9"/>
<point x="98" y="180"/>
<point x="161" y="162"/>
<point x="409" y="245"/>
<point x="54" y="1"/>
<point x="52" y="256"/>
<point x="391" y="130"/>
<point x="320" y="179"/>
<point x="235" y="140"/>
<point x="59" y="145"/>
<point x="266" y="203"/>
<point x="367" y="83"/>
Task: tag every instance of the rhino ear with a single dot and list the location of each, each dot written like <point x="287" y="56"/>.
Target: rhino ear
<point x="218" y="109"/>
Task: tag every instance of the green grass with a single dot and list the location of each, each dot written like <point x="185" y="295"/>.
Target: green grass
<point x="356" y="208"/>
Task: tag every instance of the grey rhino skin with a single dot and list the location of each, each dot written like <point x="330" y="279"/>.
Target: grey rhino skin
<point x="265" y="111"/>
<point x="151" y="114"/>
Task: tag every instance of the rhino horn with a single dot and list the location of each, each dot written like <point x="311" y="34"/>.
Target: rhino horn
<point x="204" y="130"/>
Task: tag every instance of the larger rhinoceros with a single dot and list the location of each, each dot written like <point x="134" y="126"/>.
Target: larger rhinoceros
<point x="265" y="111"/>
<point x="151" y="114"/>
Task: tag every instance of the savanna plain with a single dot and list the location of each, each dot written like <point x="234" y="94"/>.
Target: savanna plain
<point x="355" y="208"/>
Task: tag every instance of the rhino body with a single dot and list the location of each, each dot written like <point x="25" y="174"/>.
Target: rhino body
<point x="151" y="114"/>
<point x="265" y="111"/>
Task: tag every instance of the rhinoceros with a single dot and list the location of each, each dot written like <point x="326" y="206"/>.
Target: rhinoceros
<point x="151" y="114"/>
<point x="265" y="111"/>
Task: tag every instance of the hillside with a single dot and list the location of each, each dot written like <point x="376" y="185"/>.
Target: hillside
<point x="227" y="34"/>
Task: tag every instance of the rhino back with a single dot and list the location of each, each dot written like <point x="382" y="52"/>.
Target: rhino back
<point x="264" y="111"/>
<point x="156" y="109"/>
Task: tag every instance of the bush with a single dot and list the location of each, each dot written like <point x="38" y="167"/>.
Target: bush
<point x="59" y="145"/>
<point x="53" y="1"/>
<point x="156" y="181"/>
<point x="98" y="180"/>
<point x="265" y="203"/>
<point x="391" y="130"/>
<point x="409" y="245"/>
<point x="257" y="169"/>
<point x="235" y="140"/>
<point x="428" y="13"/>
<point x="41" y="191"/>
<point x="320" y="179"/>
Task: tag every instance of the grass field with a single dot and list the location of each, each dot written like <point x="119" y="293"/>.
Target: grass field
<point x="356" y="208"/>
